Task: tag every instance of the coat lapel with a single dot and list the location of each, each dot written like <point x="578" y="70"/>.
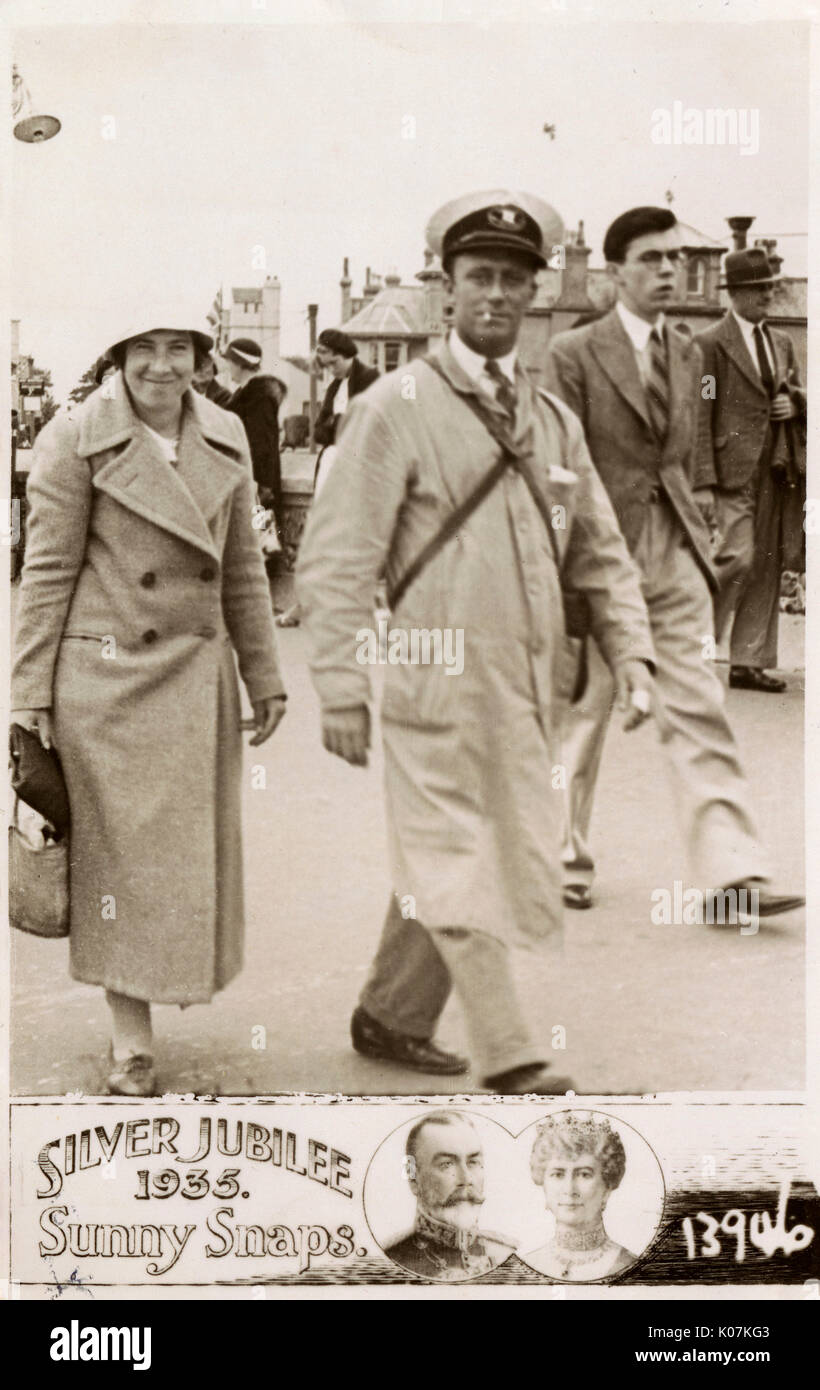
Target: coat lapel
<point x="181" y="500"/>
<point x="736" y="349"/>
<point x="615" y="355"/>
<point x="781" y="364"/>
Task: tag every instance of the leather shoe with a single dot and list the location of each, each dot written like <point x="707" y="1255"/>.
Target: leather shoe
<point x="768" y="904"/>
<point x="133" y="1077"/>
<point x="372" y="1039"/>
<point x="750" y="678"/>
<point x="577" y="895"/>
<point x="535" y="1079"/>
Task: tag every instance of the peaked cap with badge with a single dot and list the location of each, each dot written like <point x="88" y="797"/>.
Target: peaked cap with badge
<point x="495" y="220"/>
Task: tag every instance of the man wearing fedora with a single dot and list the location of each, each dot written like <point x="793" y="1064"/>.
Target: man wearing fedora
<point x="475" y="494"/>
<point x="256" y="401"/>
<point x="634" y="385"/>
<point x="752" y="438"/>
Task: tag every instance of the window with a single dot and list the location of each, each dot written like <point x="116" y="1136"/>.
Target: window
<point x="696" y="276"/>
<point x="392" y="356"/>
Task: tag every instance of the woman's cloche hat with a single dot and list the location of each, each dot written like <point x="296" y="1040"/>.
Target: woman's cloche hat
<point x="245" y="352"/>
<point x="170" y="319"/>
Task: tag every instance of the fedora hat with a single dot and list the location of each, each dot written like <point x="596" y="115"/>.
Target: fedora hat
<point x="497" y="220"/>
<point x="748" y="267"/>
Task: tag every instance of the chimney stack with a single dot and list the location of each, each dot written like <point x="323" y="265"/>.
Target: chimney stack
<point x="432" y="279"/>
<point x="739" y="227"/>
<point x="345" y="284"/>
<point x="769" y="244"/>
<point x="372" y="284"/>
<point x="573" y="294"/>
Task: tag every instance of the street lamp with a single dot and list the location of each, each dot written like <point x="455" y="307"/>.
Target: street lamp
<point x="33" y="130"/>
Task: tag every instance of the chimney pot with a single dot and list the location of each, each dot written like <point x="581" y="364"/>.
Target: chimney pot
<point x="739" y="227"/>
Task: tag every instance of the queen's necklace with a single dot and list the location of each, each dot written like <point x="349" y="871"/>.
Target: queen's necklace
<point x="573" y="1248"/>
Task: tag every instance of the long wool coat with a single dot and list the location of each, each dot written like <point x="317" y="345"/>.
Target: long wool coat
<point x="140" y="581"/>
<point x="473" y="798"/>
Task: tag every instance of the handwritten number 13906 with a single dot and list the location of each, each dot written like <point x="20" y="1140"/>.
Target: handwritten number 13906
<point x="767" y="1235"/>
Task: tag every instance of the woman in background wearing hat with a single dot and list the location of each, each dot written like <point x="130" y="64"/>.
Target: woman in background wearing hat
<point x="142" y="578"/>
<point x="337" y="354"/>
<point x="256" y="401"/>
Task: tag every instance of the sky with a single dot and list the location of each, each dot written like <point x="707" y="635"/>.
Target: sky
<point x="230" y="136"/>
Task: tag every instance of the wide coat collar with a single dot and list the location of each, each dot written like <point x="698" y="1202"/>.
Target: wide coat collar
<point x="734" y="345"/>
<point x="615" y="355"/>
<point x="182" y="499"/>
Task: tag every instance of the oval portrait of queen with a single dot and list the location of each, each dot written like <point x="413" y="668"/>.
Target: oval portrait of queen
<point x="602" y="1192"/>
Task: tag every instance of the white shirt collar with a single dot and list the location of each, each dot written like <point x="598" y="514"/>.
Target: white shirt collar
<point x="637" y="328"/>
<point x="746" y="327"/>
<point x="473" y="363"/>
<point x="748" y="331"/>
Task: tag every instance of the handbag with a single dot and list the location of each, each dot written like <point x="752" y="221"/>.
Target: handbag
<point x="38" y="883"/>
<point x="37" y="777"/>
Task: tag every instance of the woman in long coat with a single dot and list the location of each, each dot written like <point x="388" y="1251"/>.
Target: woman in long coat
<point x="143" y="576"/>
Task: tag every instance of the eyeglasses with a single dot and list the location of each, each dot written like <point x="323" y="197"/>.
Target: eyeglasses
<point x="654" y="258"/>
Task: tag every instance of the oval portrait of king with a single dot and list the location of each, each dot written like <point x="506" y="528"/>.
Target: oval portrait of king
<point x="601" y="1192"/>
<point x="436" y="1195"/>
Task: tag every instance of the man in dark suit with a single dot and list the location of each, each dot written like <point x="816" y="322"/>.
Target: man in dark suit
<point x="444" y="1164"/>
<point x="635" y="385"/>
<point x="256" y="401"/>
<point x="752" y="438"/>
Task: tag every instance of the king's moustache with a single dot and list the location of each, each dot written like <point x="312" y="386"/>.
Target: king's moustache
<point x="469" y="1196"/>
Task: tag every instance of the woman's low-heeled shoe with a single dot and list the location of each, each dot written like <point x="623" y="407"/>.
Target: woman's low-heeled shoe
<point x="133" y="1077"/>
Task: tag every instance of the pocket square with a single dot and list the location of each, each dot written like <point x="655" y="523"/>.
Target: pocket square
<point x="557" y="474"/>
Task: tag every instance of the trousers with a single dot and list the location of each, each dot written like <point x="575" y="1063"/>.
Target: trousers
<point x="749" y="564"/>
<point x="414" y="971"/>
<point x="720" y="838"/>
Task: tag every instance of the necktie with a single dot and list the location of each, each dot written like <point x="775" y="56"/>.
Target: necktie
<point x="657" y="384"/>
<point x="505" y="392"/>
<point x="766" y="375"/>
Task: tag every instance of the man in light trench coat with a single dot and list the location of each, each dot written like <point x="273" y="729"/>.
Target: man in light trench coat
<point x="473" y="822"/>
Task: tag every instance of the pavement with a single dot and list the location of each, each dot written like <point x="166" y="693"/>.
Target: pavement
<point x="640" y="1008"/>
